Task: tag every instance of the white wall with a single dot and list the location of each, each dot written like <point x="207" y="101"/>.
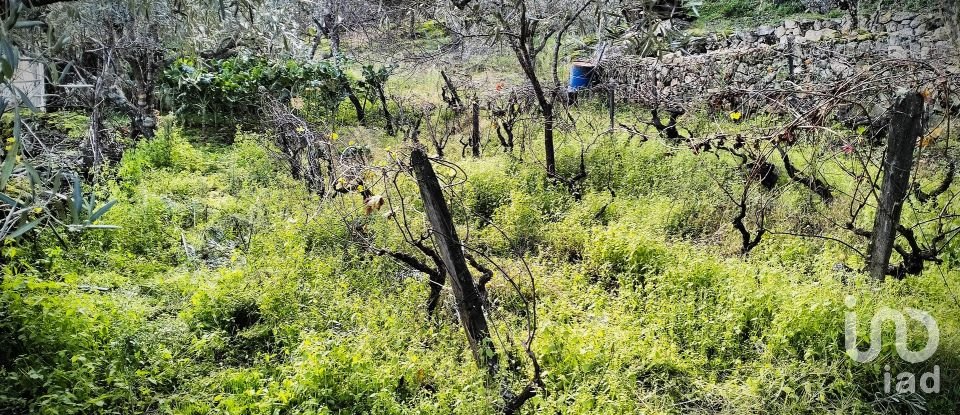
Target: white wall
<point x="29" y="78"/>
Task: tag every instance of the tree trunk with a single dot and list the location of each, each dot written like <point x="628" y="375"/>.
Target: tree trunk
<point x="905" y="128"/>
<point x="386" y="110"/>
<point x="145" y="65"/>
<point x="357" y="106"/>
<point x="468" y="300"/>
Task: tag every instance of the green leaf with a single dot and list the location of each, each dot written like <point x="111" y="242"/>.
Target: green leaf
<point x="8" y="164"/>
<point x="24" y="229"/>
<point x="100" y="212"/>
<point x="77" y="201"/>
<point x="8" y="200"/>
<point x="11" y="57"/>
<point x="26" y="24"/>
<point x="25" y="100"/>
<point x="102" y="227"/>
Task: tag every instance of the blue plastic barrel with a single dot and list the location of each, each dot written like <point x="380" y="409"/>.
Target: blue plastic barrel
<point x="580" y="74"/>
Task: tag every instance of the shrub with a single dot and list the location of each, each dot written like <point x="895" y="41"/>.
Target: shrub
<point x="620" y="252"/>
<point x="226" y="92"/>
<point x="518" y="225"/>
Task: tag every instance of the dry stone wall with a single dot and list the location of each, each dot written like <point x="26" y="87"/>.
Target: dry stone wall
<point x="898" y="49"/>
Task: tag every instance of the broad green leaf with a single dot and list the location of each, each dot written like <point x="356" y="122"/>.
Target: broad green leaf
<point x="100" y="212"/>
<point x="8" y="200"/>
<point x="24" y="228"/>
<point x="26" y="24"/>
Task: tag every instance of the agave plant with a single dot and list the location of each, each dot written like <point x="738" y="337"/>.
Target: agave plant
<point x="18" y="194"/>
<point x="84" y="209"/>
<point x="29" y="199"/>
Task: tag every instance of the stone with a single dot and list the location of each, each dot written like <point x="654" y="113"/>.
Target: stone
<point x="779" y="33"/>
<point x="885" y="18"/>
<point x="846" y="26"/>
<point x="898" y="52"/>
<point x="828" y="34"/>
<point x="790" y="24"/>
<point x="903" y="34"/>
<point x="942" y="33"/>
<point x="765" y="31"/>
<point x="904" y="16"/>
<point x="840" y="69"/>
<point x="813" y="35"/>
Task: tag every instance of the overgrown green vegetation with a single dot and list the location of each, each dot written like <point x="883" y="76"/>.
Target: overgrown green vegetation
<point x="228" y="288"/>
<point x="285" y="260"/>
<point x="230" y="91"/>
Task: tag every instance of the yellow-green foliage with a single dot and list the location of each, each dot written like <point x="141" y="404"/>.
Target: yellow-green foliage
<point x="229" y="289"/>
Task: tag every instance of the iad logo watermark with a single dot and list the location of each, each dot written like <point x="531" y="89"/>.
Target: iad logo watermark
<point x="906" y="381"/>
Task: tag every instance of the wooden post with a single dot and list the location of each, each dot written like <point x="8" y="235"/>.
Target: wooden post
<point x="905" y="128"/>
<point x="475" y="134"/>
<point x="611" y="106"/>
<point x="469" y="303"/>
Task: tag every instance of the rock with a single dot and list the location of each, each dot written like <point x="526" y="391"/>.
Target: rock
<point x="884" y="18"/>
<point x="846" y="26"/>
<point x="790" y="24"/>
<point x="765" y="31"/>
<point x="904" y="17"/>
<point x="779" y="33"/>
<point x="905" y="35"/>
<point x="828" y="34"/>
<point x="942" y="33"/>
<point x="898" y="52"/>
<point x="813" y="35"/>
<point x="840" y="69"/>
